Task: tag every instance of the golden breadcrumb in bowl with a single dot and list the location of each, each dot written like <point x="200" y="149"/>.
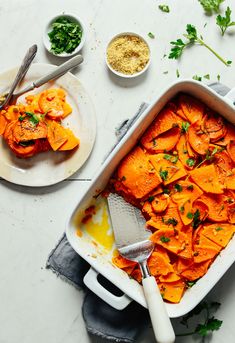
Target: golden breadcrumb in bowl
<point x="128" y="55"/>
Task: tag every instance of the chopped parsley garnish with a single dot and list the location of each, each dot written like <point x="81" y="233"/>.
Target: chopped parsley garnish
<point x="151" y="198"/>
<point x="190" y="215"/>
<point x="218" y="228"/>
<point x="196" y="219"/>
<point x="190" y="284"/>
<point x="178" y="187"/>
<point x="197" y="78"/>
<point x="32" y="117"/>
<point x="190" y="162"/>
<point x="65" y="35"/>
<point x="190" y="187"/>
<point x="211" y="5"/>
<point x="123" y="178"/>
<point x="182" y="209"/>
<point x="165" y="72"/>
<point x="21" y="118"/>
<point x="171" y="221"/>
<point x="164" y="239"/>
<point x="164" y="8"/>
<point x="151" y="35"/>
<point x="173" y="159"/>
<point x="207" y="76"/>
<point x="218" y="78"/>
<point x="184" y="127"/>
<point x="225" y="22"/>
<point x="166" y="191"/>
<point x="177" y="73"/>
<point x="192" y="38"/>
<point x="163" y="174"/>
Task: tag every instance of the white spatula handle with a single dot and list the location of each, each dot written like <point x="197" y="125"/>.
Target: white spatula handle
<point x="161" y="323"/>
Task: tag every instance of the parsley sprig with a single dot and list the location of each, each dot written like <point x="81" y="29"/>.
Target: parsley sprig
<point x="211" y="5"/>
<point x="192" y="38"/>
<point x="210" y="323"/>
<point x="225" y="22"/>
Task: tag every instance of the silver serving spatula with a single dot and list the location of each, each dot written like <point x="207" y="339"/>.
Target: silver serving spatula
<point x="132" y="242"/>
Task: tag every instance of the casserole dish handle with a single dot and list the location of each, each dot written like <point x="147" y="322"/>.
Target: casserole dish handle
<point x="91" y="281"/>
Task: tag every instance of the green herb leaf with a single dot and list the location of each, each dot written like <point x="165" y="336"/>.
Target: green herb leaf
<point x="225" y="22"/>
<point x="178" y="187"/>
<point x="163" y="174"/>
<point x="151" y="35"/>
<point x="182" y="209"/>
<point x="192" y="38"/>
<point x="123" y="178"/>
<point x="197" y="78"/>
<point x="185" y="126"/>
<point x="211" y="5"/>
<point x="151" y="198"/>
<point x="218" y="228"/>
<point x="165" y="72"/>
<point x="65" y="35"/>
<point x="166" y="191"/>
<point x="207" y="76"/>
<point x="212" y="324"/>
<point x="164" y="239"/>
<point x="190" y="283"/>
<point x="164" y="8"/>
<point x="190" y="162"/>
<point x="171" y="221"/>
<point x="190" y="215"/>
<point x="32" y="117"/>
<point x="21" y="118"/>
<point x="177" y="73"/>
<point x="196" y="219"/>
<point x="218" y="78"/>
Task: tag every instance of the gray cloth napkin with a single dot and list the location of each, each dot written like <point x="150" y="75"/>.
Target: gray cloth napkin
<point x="100" y="318"/>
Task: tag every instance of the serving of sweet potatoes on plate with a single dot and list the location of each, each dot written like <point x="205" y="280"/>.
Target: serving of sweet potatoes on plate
<point x="182" y="177"/>
<point x="36" y="126"/>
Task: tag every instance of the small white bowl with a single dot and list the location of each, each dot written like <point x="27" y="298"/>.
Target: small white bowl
<point x="46" y="39"/>
<point x="128" y="76"/>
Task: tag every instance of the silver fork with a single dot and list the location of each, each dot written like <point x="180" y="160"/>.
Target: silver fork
<point x="28" y="59"/>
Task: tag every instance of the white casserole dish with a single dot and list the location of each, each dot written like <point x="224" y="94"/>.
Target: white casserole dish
<point x="100" y="260"/>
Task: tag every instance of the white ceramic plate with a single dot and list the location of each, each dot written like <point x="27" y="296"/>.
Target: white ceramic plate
<point x="51" y="167"/>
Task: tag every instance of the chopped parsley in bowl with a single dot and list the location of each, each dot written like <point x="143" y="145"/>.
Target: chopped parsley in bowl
<point x="64" y="35"/>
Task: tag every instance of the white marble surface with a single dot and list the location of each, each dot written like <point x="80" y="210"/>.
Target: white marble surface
<point x="35" y="306"/>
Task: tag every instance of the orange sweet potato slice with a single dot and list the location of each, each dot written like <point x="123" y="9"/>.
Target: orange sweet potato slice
<point x="207" y="179"/>
<point x="33" y="103"/>
<point x="56" y="135"/>
<point x="171" y="239"/>
<point x="186" y="252"/>
<point x="198" y="139"/>
<point x="147" y="209"/>
<point x="51" y="102"/>
<point x="196" y="270"/>
<point x="138" y="174"/>
<point x="122" y="262"/>
<point x="214" y="125"/>
<point x="217" y="208"/>
<point x="26" y="130"/>
<point x="230" y="135"/>
<point x="13" y="112"/>
<point x="230" y="179"/>
<point x="205" y="250"/>
<point x="160" y="203"/>
<point x="219" y="233"/>
<point x="168" y="167"/>
<point x="170" y="218"/>
<point x="231" y="213"/>
<point x="170" y="277"/>
<point x="136" y="274"/>
<point x="184" y="199"/>
<point x="67" y="109"/>
<point x="231" y="149"/>
<point x="172" y="291"/>
<point x="192" y="108"/>
<point x="159" y="265"/>
<point x="182" y="264"/>
<point x="164" y="142"/>
<point x="223" y="164"/>
<point x="71" y="143"/>
<point x="185" y="152"/>
<point x="165" y="121"/>
<point x="3" y="123"/>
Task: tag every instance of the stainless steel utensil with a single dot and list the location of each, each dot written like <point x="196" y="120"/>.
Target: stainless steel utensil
<point x="5" y="99"/>
<point x="59" y="71"/>
<point x="132" y="241"/>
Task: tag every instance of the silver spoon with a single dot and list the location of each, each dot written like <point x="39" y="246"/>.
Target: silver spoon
<point x="4" y="99"/>
<point x="59" y="71"/>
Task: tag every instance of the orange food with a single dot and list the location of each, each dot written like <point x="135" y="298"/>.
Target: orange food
<point x="33" y="127"/>
<point x="137" y="174"/>
<point x="182" y="178"/>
